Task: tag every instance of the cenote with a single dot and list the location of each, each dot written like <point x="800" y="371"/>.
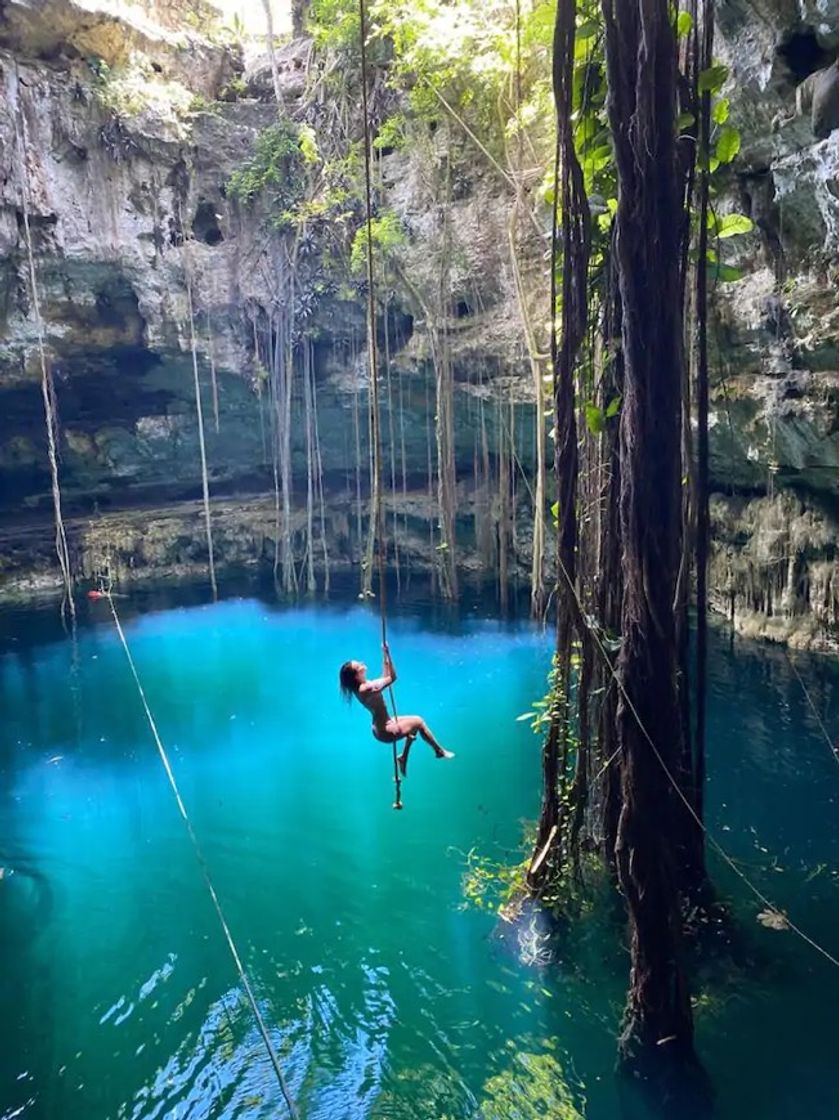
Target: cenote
<point x="501" y="337"/>
<point x="386" y="994"/>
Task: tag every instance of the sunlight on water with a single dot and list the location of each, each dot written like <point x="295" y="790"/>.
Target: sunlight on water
<point x="385" y="996"/>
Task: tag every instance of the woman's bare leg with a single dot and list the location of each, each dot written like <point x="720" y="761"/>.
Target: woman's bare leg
<point x="402" y="759"/>
<point x="410" y="727"/>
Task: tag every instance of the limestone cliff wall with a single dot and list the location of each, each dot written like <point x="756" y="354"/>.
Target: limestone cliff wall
<point x="124" y="177"/>
<point x="775" y="440"/>
<point x="120" y="126"/>
<point x="119" y="129"/>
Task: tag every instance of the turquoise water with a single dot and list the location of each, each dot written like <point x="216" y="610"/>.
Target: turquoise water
<point x="386" y="998"/>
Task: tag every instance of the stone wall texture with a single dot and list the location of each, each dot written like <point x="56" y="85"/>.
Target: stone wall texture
<point x="119" y="131"/>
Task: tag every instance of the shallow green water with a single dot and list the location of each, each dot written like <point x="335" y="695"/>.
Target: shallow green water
<point x="386" y="998"/>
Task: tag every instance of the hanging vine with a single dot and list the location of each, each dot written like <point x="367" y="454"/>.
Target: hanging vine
<point x="571" y="247"/>
<point x="199" y="408"/>
<point x="47" y="386"/>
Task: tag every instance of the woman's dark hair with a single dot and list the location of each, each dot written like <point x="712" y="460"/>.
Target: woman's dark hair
<point x="348" y="680"/>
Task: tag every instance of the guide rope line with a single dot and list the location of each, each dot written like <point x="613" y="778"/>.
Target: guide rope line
<point x="22" y="145"/>
<point x="715" y="844"/>
<point x="231" y="944"/>
<point x="787" y="924"/>
<point x="833" y="748"/>
<point x="374" y="374"/>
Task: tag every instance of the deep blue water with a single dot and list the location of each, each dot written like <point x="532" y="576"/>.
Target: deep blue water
<point x="386" y="996"/>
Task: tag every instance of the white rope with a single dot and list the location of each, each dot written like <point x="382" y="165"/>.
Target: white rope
<point x="715" y="844"/>
<point x="833" y="748"/>
<point x="237" y="960"/>
<point x="47" y="386"/>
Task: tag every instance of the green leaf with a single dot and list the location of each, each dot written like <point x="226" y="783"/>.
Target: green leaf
<point x="730" y="225"/>
<point x="614" y="406"/>
<point x="728" y="274"/>
<point x="712" y="79"/>
<point x="308" y="144"/>
<point x="595" y="420"/>
<point x="600" y="157"/>
<point x="728" y="144"/>
<point x="721" y="110"/>
<point x="603" y="222"/>
<point x="724" y="273"/>
<point x="586" y="130"/>
<point x="388" y="237"/>
<point x="684" y="120"/>
<point x="684" y="24"/>
<point x="587" y="30"/>
<point x="582" y="49"/>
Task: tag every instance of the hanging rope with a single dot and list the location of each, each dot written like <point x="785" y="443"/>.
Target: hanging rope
<point x="821" y="724"/>
<point x="231" y="944"/>
<point x="47" y="386"/>
<point x="783" y="919"/>
<point x="199" y="410"/>
<point x="378" y="523"/>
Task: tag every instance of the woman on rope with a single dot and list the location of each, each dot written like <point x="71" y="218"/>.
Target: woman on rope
<point x="353" y="681"/>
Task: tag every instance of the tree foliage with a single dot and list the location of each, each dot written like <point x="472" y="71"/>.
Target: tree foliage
<point x="388" y="236"/>
<point x="274" y="170"/>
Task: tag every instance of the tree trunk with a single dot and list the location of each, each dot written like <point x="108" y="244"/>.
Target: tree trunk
<point x="657" y="1040"/>
<point x="703" y="527"/>
<point x="609" y="596"/>
<point x="269" y="44"/>
<point x="299" y="17"/>
<point x="576" y="244"/>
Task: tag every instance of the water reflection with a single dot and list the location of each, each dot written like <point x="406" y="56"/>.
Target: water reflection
<point x="385" y="998"/>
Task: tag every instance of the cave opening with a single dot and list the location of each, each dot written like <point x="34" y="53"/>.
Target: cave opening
<point x="395" y="330"/>
<point x="41" y="230"/>
<point x="205" y="224"/>
<point x="801" y="54"/>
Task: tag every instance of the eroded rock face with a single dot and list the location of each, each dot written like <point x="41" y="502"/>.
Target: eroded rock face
<point x="775" y="571"/>
<point x="167" y="542"/>
<point x="107" y="196"/>
<point x="120" y="134"/>
<point x="777" y="393"/>
<point x="173" y="37"/>
<point x="124" y="186"/>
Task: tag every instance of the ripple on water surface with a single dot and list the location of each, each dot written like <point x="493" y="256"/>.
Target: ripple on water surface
<point x="385" y="997"/>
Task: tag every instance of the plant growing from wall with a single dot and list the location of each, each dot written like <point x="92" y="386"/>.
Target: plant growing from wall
<point x="273" y="174"/>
